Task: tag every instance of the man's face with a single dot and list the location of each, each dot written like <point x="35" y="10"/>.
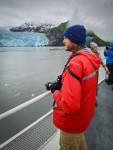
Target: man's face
<point x="110" y="47"/>
<point x="95" y="49"/>
<point x="69" y="46"/>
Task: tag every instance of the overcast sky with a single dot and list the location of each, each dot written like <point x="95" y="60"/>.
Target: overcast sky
<point x="95" y="15"/>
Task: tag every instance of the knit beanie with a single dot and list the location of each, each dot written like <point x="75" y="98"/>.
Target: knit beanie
<point x="76" y="34"/>
<point x="93" y="45"/>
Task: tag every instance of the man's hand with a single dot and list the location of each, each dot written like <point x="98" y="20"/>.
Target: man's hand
<point x="52" y="87"/>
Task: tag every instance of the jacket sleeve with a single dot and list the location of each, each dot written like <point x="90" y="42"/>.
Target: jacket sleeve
<point x="105" y="53"/>
<point x="69" y="97"/>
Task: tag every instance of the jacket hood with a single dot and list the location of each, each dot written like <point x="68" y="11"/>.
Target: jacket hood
<point x="95" y="60"/>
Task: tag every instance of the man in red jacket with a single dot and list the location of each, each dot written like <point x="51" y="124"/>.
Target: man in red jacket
<point x="75" y="101"/>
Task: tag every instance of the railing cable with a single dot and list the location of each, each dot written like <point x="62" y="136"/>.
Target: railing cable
<point x="31" y="101"/>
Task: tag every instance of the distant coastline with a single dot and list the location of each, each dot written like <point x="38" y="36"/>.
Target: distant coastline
<point x="29" y="35"/>
<point x="54" y="34"/>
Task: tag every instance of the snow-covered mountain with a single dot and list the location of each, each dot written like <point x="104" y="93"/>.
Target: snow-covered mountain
<point x="32" y="27"/>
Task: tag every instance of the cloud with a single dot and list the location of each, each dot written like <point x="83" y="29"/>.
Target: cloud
<point x="34" y="11"/>
<point x="95" y="15"/>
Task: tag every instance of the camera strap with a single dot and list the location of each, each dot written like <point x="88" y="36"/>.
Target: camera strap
<point x="74" y="75"/>
<point x="70" y="72"/>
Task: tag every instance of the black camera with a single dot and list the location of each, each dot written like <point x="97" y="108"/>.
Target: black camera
<point x="107" y="47"/>
<point x="57" y="83"/>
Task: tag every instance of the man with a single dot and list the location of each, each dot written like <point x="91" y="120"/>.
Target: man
<point x="75" y="101"/>
<point x="108" y="53"/>
<point x="94" y="49"/>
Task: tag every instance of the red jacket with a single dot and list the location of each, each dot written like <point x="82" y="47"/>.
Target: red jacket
<point x="75" y="101"/>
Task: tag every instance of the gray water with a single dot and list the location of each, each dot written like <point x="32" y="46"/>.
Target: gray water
<point x="23" y="73"/>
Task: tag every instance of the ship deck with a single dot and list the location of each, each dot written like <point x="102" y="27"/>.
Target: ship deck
<point x="99" y="135"/>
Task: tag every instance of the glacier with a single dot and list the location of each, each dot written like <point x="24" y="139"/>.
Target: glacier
<point x="21" y="39"/>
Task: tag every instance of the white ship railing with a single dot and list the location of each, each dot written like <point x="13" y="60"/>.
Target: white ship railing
<point x="24" y="130"/>
<point x="18" y="108"/>
<point x="37" y="136"/>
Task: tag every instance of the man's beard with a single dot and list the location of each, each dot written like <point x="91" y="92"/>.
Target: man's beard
<point x="69" y="48"/>
<point x="72" y="49"/>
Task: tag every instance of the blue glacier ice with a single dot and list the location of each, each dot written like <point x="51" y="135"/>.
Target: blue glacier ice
<point x="22" y="39"/>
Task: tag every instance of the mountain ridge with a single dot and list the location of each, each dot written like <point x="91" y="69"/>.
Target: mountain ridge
<point x="54" y="33"/>
<point x="52" y="36"/>
<point x="30" y="27"/>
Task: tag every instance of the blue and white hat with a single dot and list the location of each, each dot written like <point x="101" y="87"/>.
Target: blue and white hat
<point x="111" y="44"/>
